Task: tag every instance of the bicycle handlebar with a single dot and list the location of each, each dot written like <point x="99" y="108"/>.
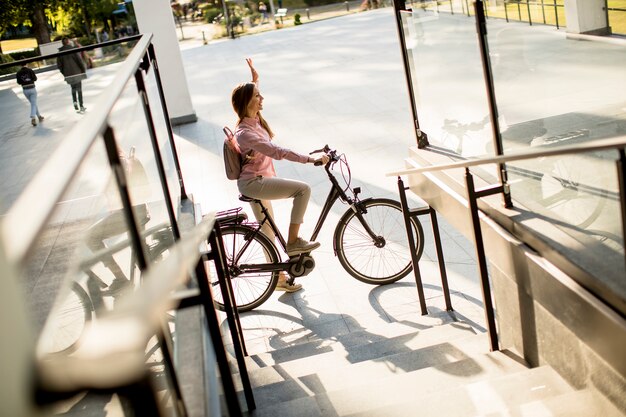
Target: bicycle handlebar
<point x="326" y="150"/>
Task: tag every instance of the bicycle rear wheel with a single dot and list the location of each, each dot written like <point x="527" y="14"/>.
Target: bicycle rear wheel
<point x="243" y="246"/>
<point x="377" y="262"/>
<point x="71" y="315"/>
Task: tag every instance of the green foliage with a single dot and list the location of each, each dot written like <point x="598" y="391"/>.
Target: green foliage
<point x="6" y="59"/>
<point x="296" y="19"/>
<point x="210" y="13"/>
<point x="16" y="56"/>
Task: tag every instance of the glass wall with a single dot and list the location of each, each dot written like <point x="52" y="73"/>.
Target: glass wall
<point x="553" y="91"/>
<point x="449" y="88"/>
<point x="164" y="145"/>
<point x="549" y="91"/>
<point x="24" y="146"/>
<point x="86" y="258"/>
<point x="109" y="225"/>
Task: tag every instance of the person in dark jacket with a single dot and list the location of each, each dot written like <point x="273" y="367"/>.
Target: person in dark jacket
<point x="26" y="77"/>
<point x="73" y="69"/>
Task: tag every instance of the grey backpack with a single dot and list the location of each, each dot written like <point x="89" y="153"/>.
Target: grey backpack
<point x="233" y="159"/>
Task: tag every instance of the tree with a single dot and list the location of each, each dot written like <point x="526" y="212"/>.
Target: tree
<point x="10" y="15"/>
<point x="40" y="24"/>
<point x="33" y="11"/>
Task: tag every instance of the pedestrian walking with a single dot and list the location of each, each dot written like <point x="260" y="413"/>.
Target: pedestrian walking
<point x="73" y="69"/>
<point x="263" y="11"/>
<point x="26" y="77"/>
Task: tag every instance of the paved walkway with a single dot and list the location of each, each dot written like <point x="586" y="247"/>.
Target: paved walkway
<point x="338" y="82"/>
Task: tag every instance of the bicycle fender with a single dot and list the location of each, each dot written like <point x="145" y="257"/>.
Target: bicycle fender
<point x="353" y="207"/>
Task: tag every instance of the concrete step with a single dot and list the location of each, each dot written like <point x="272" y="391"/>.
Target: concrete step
<point x="500" y="395"/>
<point x="357" y="346"/>
<point x="583" y="403"/>
<point x="315" y="344"/>
<point x="328" y="377"/>
<point x="384" y="391"/>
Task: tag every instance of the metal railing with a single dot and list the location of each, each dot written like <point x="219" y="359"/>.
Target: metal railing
<point x="473" y="195"/>
<point x="547" y="12"/>
<point x="36" y="212"/>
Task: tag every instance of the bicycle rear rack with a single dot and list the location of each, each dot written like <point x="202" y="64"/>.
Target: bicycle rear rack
<point x="231" y="216"/>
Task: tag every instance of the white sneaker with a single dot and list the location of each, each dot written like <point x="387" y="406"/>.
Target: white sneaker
<point x="301" y="246"/>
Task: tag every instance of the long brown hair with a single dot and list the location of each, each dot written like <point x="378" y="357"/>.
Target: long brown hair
<point x="241" y="96"/>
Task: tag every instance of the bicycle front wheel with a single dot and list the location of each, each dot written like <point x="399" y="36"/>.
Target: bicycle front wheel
<point x="243" y="247"/>
<point x="385" y="258"/>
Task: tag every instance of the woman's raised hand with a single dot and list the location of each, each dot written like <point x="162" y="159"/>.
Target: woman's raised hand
<point x="255" y="75"/>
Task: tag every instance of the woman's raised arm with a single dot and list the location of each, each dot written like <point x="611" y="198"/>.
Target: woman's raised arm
<point x="255" y="75"/>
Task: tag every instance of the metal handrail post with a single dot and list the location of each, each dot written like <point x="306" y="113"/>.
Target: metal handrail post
<point x="485" y="287"/>
<point x="543" y="11"/>
<point x="170" y="132"/>
<point x="139" y="398"/>
<point x="420" y="137"/>
<point x="530" y="19"/>
<point x="213" y="326"/>
<point x="481" y="28"/>
<point x="442" y="265"/>
<point x="414" y="260"/>
<point x="232" y="315"/>
<point x="167" y="351"/>
<point x="169" y="205"/>
<point x="556" y="14"/>
<point x="223" y="275"/>
<point x="506" y="12"/>
<point x="122" y="183"/>
<point x="621" y="179"/>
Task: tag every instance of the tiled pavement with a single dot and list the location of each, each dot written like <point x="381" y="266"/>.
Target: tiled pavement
<point x="338" y="82"/>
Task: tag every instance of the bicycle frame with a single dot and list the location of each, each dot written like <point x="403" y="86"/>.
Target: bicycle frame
<point x="335" y="193"/>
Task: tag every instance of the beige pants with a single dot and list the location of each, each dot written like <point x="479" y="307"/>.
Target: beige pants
<point x="266" y="189"/>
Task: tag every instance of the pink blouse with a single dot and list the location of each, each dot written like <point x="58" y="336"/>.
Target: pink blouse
<point x="252" y="137"/>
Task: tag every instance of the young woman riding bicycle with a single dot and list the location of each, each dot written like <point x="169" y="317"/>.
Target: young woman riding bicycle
<point x="258" y="177"/>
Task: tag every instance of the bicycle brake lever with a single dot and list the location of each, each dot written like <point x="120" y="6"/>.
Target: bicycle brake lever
<point x="325" y="149"/>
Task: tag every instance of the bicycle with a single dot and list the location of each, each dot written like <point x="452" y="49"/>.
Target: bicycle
<point x="370" y="242"/>
<point x="89" y="296"/>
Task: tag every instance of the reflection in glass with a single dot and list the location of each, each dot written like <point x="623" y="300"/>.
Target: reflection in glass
<point x="449" y="87"/>
<point x="54" y="100"/>
<point x="165" y="145"/>
<point x="553" y="91"/>
<point x="85" y="259"/>
<point x="138" y="155"/>
<point x="550" y="91"/>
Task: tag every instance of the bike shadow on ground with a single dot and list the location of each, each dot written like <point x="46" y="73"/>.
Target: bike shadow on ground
<point x="453" y="316"/>
<point x="396" y="353"/>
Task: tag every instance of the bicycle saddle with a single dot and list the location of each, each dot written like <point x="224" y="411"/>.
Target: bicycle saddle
<point x="247" y="199"/>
